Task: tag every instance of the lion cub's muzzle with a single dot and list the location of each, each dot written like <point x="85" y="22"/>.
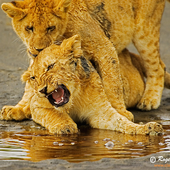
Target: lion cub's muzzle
<point x="33" y="55"/>
<point x="59" y="97"/>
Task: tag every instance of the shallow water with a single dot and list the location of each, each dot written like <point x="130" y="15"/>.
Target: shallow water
<point x="34" y="143"/>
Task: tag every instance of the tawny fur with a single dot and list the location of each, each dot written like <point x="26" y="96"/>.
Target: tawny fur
<point x="66" y="65"/>
<point x="106" y="27"/>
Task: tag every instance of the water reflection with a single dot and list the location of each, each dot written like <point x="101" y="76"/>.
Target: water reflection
<point x="36" y="144"/>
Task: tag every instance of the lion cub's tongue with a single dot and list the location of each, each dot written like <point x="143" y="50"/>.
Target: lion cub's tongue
<point x="58" y="95"/>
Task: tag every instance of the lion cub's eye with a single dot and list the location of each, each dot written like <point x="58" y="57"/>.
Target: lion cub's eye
<point x="32" y="78"/>
<point x="50" y="66"/>
<point x="28" y="28"/>
<point x="50" y="29"/>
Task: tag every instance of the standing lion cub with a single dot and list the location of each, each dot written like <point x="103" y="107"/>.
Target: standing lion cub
<point x="67" y="88"/>
<point x="106" y="27"/>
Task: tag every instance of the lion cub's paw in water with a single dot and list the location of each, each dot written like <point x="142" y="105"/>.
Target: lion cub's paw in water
<point x="151" y="128"/>
<point x="67" y="88"/>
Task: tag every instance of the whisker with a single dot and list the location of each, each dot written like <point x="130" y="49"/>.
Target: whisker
<point x="22" y="45"/>
<point x="25" y="66"/>
<point x="16" y="39"/>
<point x="21" y="48"/>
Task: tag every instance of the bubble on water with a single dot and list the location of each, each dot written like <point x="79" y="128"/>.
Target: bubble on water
<point x="72" y="143"/>
<point x="109" y="145"/>
<point x="60" y="144"/>
<point x="140" y="143"/>
<point x="55" y="143"/>
<point x="130" y="141"/>
<point x="96" y="142"/>
<point x="106" y="139"/>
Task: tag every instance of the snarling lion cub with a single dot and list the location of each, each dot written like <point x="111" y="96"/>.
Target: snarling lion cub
<point x="67" y="88"/>
<point x="103" y="25"/>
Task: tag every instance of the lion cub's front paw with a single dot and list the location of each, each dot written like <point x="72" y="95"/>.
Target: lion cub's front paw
<point x="6" y="112"/>
<point x="11" y="113"/>
<point x="64" y="129"/>
<point x="153" y="129"/>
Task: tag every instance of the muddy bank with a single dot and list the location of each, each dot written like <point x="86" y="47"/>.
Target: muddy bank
<point x="105" y="163"/>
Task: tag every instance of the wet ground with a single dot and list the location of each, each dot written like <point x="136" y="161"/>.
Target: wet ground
<point x="29" y="141"/>
<point x="26" y="145"/>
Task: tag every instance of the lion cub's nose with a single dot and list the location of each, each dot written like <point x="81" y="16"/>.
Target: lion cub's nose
<point x="44" y="90"/>
<point x="39" y="50"/>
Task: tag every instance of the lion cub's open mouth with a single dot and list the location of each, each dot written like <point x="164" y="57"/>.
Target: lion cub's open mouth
<point x="59" y="96"/>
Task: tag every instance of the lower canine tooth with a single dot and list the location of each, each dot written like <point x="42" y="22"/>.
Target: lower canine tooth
<point x="62" y="98"/>
<point x="55" y="102"/>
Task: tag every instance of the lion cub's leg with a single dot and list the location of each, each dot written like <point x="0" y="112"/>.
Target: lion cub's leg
<point x="56" y="120"/>
<point x="108" y="67"/>
<point x="113" y="85"/>
<point x="146" y="40"/>
<point x="102" y="115"/>
<point x="21" y="110"/>
<point x="108" y="118"/>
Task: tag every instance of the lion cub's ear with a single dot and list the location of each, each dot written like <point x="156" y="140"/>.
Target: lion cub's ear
<point x="73" y="45"/>
<point x="63" y="6"/>
<point x="14" y="10"/>
<point x="26" y="76"/>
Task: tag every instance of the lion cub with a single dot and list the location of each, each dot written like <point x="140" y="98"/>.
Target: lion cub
<point x="67" y="88"/>
<point x="106" y="28"/>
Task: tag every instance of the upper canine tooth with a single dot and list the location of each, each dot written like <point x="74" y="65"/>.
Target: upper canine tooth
<point x="56" y="90"/>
